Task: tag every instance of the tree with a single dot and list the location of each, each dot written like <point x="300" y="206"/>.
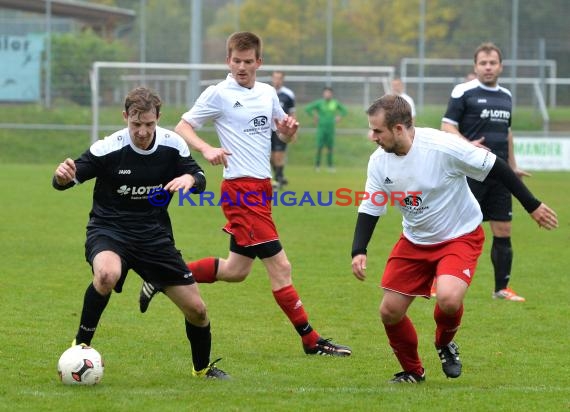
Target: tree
<point x="278" y="23"/>
<point x="73" y="55"/>
<point x="365" y="32"/>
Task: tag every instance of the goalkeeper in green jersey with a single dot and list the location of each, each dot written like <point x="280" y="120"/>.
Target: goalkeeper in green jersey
<point x="326" y="112"/>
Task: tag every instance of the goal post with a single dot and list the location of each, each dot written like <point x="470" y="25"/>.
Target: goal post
<point x="181" y="83"/>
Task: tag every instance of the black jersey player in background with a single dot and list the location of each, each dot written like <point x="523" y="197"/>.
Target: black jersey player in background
<point x="278" y="147"/>
<point x="129" y="227"/>
<point x="480" y="111"/>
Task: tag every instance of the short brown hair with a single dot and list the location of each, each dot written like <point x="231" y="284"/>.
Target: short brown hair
<point x="487" y="48"/>
<point x="396" y="110"/>
<point x="141" y="100"/>
<point x="244" y="40"/>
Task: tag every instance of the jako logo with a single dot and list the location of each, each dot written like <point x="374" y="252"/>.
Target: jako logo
<point x="137" y="190"/>
<point x="124" y="172"/>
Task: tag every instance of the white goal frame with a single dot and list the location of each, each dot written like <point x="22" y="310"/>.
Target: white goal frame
<point x="329" y="74"/>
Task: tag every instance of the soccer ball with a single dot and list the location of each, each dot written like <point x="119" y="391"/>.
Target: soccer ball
<point x="80" y="365"/>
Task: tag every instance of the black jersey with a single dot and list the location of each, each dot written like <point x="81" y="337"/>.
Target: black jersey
<point x="287" y="99"/>
<point x="125" y="175"/>
<point x="480" y="111"/>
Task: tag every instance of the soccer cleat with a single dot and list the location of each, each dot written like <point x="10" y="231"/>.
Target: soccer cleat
<point x="275" y="185"/>
<point x="325" y="347"/>
<point x="74" y="343"/>
<point x="449" y="356"/>
<point x="508" y="294"/>
<point x="211" y="372"/>
<point x="408" y="377"/>
<point x="147" y="293"/>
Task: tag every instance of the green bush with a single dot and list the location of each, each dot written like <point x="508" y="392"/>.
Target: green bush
<point x="73" y="55"/>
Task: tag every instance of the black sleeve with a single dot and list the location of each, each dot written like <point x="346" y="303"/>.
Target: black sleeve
<point x="365" y="225"/>
<point x="188" y="165"/>
<point x="502" y="172"/>
<point x="199" y="182"/>
<point x="60" y="187"/>
<point x="86" y="167"/>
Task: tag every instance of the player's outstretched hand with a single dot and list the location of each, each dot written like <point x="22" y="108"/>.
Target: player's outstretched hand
<point x="216" y="156"/>
<point x="521" y="173"/>
<point x="184" y="182"/>
<point x="65" y="172"/>
<point x="545" y="217"/>
<point x="287" y="126"/>
<point x="359" y="266"/>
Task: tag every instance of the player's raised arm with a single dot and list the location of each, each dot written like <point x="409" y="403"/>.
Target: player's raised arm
<point x="214" y="155"/>
<point x="541" y="213"/>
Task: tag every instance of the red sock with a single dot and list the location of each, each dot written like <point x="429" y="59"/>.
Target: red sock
<point x="288" y="299"/>
<point x="404" y="342"/>
<point x="204" y="270"/>
<point x="446" y="325"/>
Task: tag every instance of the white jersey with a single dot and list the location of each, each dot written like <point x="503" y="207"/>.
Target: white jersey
<point x="244" y="119"/>
<point x="436" y="202"/>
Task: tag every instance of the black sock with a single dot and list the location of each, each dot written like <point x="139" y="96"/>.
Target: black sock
<point x="200" y="343"/>
<point x="304" y="329"/>
<point x="279" y="173"/>
<point x="502" y="258"/>
<point x="93" y="306"/>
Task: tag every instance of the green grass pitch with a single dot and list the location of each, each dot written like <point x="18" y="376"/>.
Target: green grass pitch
<point x="515" y="355"/>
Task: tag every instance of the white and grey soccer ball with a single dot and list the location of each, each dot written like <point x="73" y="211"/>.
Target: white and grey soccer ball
<point x="80" y="365"/>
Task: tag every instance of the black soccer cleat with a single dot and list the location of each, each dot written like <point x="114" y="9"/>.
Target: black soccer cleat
<point x="212" y="372"/>
<point x="148" y="290"/>
<point x="325" y="347"/>
<point x="450" y="363"/>
<point x="408" y="377"/>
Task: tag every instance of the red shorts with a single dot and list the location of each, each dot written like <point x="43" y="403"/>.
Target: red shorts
<point x="246" y="203"/>
<point x="411" y="268"/>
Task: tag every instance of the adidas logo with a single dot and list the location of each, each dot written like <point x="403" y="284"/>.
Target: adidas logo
<point x="237" y="104"/>
<point x="387" y="181"/>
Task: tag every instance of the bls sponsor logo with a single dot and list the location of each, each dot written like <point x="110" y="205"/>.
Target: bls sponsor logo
<point x="412" y="200"/>
<point x="258" y="121"/>
<point x="137" y="190"/>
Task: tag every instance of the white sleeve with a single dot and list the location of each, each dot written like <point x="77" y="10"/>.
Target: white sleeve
<point x="372" y="206"/>
<point x="277" y="112"/>
<point x="475" y="162"/>
<point x="208" y="106"/>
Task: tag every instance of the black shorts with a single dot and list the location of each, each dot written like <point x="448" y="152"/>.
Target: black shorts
<point x="277" y="145"/>
<point x="494" y="198"/>
<point x="261" y="250"/>
<point x="161" y="264"/>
